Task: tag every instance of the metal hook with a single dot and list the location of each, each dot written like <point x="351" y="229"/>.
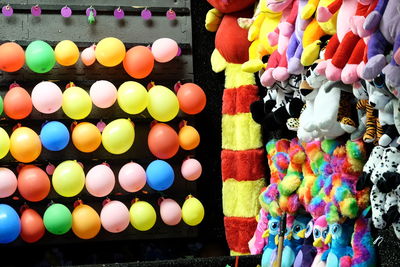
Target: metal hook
<point x="378" y="241"/>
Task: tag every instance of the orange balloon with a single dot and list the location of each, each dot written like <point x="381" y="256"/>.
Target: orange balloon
<point x="12" y="57"/>
<point x="33" y="183"/>
<point x="32" y="227"/>
<point x="85" y="222"/>
<point x="86" y="137"/>
<point x="163" y="141"/>
<point x="189" y="137"/>
<point x="192" y="98"/>
<point x="25" y="145"/>
<point x="17" y="103"/>
<point x="138" y="62"/>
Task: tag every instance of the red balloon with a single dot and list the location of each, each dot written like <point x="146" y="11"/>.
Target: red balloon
<point x="33" y="183"/>
<point x="12" y="57"/>
<point x="163" y="141"/>
<point x="138" y="62"/>
<point x="17" y="103"/>
<point x="192" y="98"/>
<point x="32" y="227"/>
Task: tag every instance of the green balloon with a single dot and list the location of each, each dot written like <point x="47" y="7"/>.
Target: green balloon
<point x="57" y="219"/>
<point x="40" y="57"/>
<point x="1" y="105"/>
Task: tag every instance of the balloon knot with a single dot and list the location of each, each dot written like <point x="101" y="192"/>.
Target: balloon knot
<point x="13" y="85"/>
<point x="150" y="85"/>
<point x="77" y="203"/>
<point x="182" y="124"/>
<point x="177" y="86"/>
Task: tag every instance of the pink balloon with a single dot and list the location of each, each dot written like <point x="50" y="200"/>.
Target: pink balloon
<point x="170" y="211"/>
<point x="8" y="182"/>
<point x="115" y="216"/>
<point x="191" y="169"/>
<point x="103" y="94"/>
<point x="164" y="49"/>
<point x="88" y="55"/>
<point x="132" y="177"/>
<point x="100" y="180"/>
<point x="47" y="97"/>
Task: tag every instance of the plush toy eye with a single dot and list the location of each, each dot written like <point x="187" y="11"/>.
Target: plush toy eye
<point x="273" y="226"/>
<point x="309" y="229"/>
<point x="336" y="230"/>
<point x="297" y="228"/>
<point x="317" y="233"/>
<point x="325" y="233"/>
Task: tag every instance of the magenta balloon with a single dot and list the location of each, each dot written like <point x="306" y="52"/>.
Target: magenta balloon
<point x="170" y="211"/>
<point x="100" y="180"/>
<point x="103" y="94"/>
<point x="191" y="169"/>
<point x="8" y="182"/>
<point x="47" y="97"/>
<point x="115" y="216"/>
<point x="164" y="49"/>
<point x="132" y="177"/>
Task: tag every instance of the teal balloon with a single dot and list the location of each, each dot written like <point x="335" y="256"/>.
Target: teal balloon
<point x="1" y="105"/>
<point x="40" y="57"/>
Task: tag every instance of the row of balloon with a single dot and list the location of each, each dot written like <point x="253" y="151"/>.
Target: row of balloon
<point x="68" y="178"/>
<point x="40" y="57"/>
<point x="86" y="223"/>
<point x="132" y="97"/>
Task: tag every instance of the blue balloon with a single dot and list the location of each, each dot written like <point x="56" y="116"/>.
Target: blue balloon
<point x="10" y="224"/>
<point x="160" y="175"/>
<point x="54" y="136"/>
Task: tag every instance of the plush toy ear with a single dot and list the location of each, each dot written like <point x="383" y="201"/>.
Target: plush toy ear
<point x="257" y="111"/>
<point x="295" y="107"/>
<point x="389" y="181"/>
<point x="364" y="181"/>
<point x="391" y="216"/>
<point x="281" y="115"/>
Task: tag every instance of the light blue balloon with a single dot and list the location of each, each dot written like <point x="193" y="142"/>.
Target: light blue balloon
<point x="54" y="136"/>
<point x="10" y="224"/>
<point x="160" y="175"/>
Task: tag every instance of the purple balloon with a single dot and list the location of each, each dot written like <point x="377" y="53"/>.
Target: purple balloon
<point x="171" y="15"/>
<point x="91" y="9"/>
<point x="66" y="12"/>
<point x="146" y="14"/>
<point x="7" y="11"/>
<point x="36" y="11"/>
<point x="119" y="13"/>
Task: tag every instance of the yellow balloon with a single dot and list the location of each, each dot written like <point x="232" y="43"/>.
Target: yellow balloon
<point x="67" y="53"/>
<point x="25" y="145"/>
<point x="143" y="216"/>
<point x="76" y="103"/>
<point x="110" y="52"/>
<point x="4" y="143"/>
<point x="163" y="103"/>
<point x="68" y="178"/>
<point x="192" y="211"/>
<point x="85" y="222"/>
<point x="132" y="97"/>
<point x="118" y="136"/>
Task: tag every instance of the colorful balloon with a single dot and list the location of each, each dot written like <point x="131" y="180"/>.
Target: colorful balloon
<point x="57" y="219"/>
<point x="54" y="136"/>
<point x="88" y="55"/>
<point x="17" y="103"/>
<point x="85" y="222"/>
<point x="160" y="175"/>
<point x="163" y="103"/>
<point x="47" y="97"/>
<point x="132" y="97"/>
<point x="33" y="183"/>
<point x="100" y="180"/>
<point x="25" y="145"/>
<point x="110" y="52"/>
<point x="76" y="103"/>
<point x="189" y="137"/>
<point x="68" y="178"/>
<point x="132" y="177"/>
<point x="118" y="136"/>
<point x="67" y="53"/>
<point x="163" y="141"/>
<point x="115" y="216"/>
<point x="12" y="57"/>
<point x="192" y="98"/>
<point x="139" y="62"/>
<point x="143" y="216"/>
<point x="10" y="224"/>
<point x="86" y="137"/>
<point x="103" y="94"/>
<point x="191" y="169"/>
<point x="1" y="105"/>
<point x="192" y="211"/>
<point x="164" y="49"/>
<point x="8" y="182"/>
<point x="4" y="143"/>
<point x="32" y="226"/>
<point x="170" y="212"/>
<point x="40" y="57"/>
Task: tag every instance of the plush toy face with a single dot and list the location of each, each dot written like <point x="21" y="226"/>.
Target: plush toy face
<point x="230" y="6"/>
<point x="320" y="231"/>
<point x="273" y="226"/>
<point x="297" y="229"/>
<point x="378" y="93"/>
<point x="313" y="78"/>
<point x="339" y="234"/>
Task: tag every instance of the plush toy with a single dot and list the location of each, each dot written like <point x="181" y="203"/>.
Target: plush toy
<point x="271" y="233"/>
<point x="339" y="237"/>
<point x="242" y="157"/>
<point x="320" y="231"/>
<point x="258" y="242"/>
<point x="386" y="20"/>
<point x="307" y="252"/>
